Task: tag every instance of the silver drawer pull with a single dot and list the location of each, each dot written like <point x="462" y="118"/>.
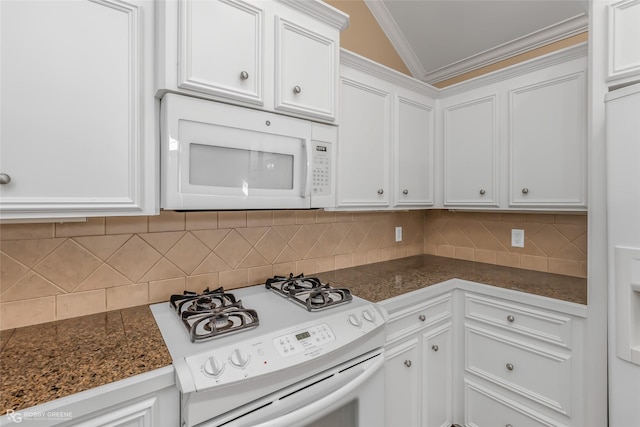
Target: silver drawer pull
<point x="510" y="366"/>
<point x="405" y="192"/>
<point x="508" y="425"/>
<point x="510" y="318"/>
<point x="422" y="318"/>
<point x="297" y="89"/>
<point x="407" y="363"/>
<point x="380" y="191"/>
<point x="482" y="192"/>
<point x="525" y="191"/>
<point x="4" y="178"/>
<point x="244" y="75"/>
<point x="435" y="347"/>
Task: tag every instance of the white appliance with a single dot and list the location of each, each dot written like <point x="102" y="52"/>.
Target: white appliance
<point x="286" y="366"/>
<point x="623" y="227"/>
<point x="216" y="156"/>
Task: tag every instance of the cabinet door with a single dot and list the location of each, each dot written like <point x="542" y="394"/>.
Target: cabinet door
<point x="548" y="143"/>
<point x="471" y="152"/>
<point x="402" y="385"/>
<point x="414" y="165"/>
<point x="363" y="170"/>
<point x="306" y="68"/>
<point x="77" y="109"/>
<point x="220" y="44"/>
<point x="437" y="378"/>
<point x="623" y="34"/>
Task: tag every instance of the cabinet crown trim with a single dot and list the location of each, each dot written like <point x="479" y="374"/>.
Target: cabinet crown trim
<point x="321" y="11"/>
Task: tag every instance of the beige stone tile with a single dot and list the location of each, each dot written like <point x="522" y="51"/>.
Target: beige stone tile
<point x="549" y="240"/>
<point x="287" y="254"/>
<point x="91" y="227"/>
<point x="567" y="267"/>
<point x="232" y="279"/>
<point x="287" y="231"/>
<point x="27" y="312"/>
<point x="284" y="268"/>
<point x="344" y="217"/>
<point x="306" y="217"/>
<point x="162" y="270"/>
<point x="211" y="264"/>
<point x="325" y="216"/>
<point x="200" y="282"/>
<point x="489" y="216"/>
<point x="26" y="231"/>
<point x="400" y="252"/>
<point x="360" y="258"/>
<point x="430" y="248"/>
<point x="253" y="234"/>
<point x="103" y="246"/>
<point x="330" y="239"/>
<point x="463" y="253"/>
<point x="259" y="218"/>
<point x="270" y="245"/>
<point x="581" y="243"/>
<point x="326" y="263"/>
<point x="29" y="285"/>
<point x="188" y="253"/>
<point x="161" y="290"/>
<point x="232" y="219"/>
<point x="530" y="248"/>
<point x="10" y="271"/>
<point x="415" y="249"/>
<point x="513" y="218"/>
<point x="343" y="261"/>
<point x="570" y="252"/>
<point x="284" y="217"/>
<point x="167" y="221"/>
<point x="317" y="251"/>
<point x="126" y="224"/>
<point x="485" y="256"/>
<point x="317" y="230"/>
<point x="536" y="263"/>
<point x="233" y="248"/>
<point x="508" y="259"/>
<point x="482" y="238"/>
<point x="30" y="252"/>
<point x="253" y="259"/>
<point x="201" y="220"/>
<point x="308" y="267"/>
<point x="571" y="219"/>
<point x="445" y="251"/>
<point x="541" y="218"/>
<point x="68" y="265"/>
<point x="571" y="231"/>
<point x="374" y="255"/>
<point x="80" y="303"/>
<point x="164" y="241"/>
<point x="211" y="238"/>
<point x="134" y="258"/>
<point x="104" y="277"/>
<point x="259" y="275"/>
<point x="388" y="253"/>
<point x="127" y="296"/>
<point x="302" y="242"/>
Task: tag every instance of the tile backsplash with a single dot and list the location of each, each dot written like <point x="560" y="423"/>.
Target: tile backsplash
<point x="58" y="271"/>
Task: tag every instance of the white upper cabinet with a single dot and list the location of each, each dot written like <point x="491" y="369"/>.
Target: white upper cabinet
<point x="276" y="56"/>
<point x="471" y="151"/>
<point x="78" y="133"/>
<point x="623" y="42"/>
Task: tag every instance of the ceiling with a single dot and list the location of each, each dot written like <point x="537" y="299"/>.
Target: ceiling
<point x="441" y="39"/>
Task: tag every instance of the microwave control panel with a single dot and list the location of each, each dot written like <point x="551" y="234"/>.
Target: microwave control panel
<point x="321" y="176"/>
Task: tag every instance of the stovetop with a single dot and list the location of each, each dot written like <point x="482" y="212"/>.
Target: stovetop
<point x="309" y="291"/>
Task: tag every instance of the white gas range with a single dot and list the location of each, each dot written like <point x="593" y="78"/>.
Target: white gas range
<point x="292" y="352"/>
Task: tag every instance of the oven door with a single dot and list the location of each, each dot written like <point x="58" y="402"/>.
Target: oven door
<point x="349" y="395"/>
<point x="218" y="156"/>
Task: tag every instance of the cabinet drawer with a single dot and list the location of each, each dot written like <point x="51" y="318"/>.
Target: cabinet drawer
<point x="525" y="320"/>
<point x="418" y="316"/>
<point x="536" y="373"/>
<point x="488" y="409"/>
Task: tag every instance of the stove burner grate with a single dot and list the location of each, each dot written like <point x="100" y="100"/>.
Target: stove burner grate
<point x="308" y="291"/>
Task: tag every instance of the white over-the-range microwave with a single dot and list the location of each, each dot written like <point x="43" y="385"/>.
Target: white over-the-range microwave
<point x="216" y="156"/>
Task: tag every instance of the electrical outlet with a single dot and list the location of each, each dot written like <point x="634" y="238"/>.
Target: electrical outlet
<point x="398" y="234"/>
<point x="517" y="238"/>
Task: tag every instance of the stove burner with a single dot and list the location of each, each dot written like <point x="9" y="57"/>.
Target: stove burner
<point x="212" y="313"/>
<point x="308" y="291"/>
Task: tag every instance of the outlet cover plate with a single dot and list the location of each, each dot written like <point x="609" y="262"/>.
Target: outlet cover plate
<point x="517" y="238"/>
<point x="398" y="234"/>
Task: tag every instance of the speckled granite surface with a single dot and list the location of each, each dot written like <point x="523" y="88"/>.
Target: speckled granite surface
<point x="380" y="281"/>
<point x="44" y="362"/>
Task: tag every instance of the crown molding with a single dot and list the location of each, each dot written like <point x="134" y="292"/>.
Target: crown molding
<point x="321" y="11"/>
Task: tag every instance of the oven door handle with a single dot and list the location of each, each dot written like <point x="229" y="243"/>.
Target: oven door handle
<point x="297" y="416"/>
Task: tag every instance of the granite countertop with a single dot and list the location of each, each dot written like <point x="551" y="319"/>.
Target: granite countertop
<point x="44" y="362"/>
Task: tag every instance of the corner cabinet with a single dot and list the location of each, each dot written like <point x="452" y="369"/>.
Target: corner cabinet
<point x="77" y="113"/>
<point x="278" y="56"/>
<point x="386" y="138"/>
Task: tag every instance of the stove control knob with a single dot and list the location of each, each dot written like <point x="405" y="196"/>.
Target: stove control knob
<point x="239" y="358"/>
<point x="355" y="320"/>
<point x="368" y="315"/>
<point x="213" y="366"/>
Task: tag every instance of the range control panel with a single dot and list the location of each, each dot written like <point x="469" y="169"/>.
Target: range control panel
<point x="282" y="349"/>
<point x="321" y="169"/>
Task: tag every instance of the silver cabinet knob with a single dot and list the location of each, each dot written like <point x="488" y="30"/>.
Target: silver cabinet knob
<point x="435" y="347"/>
<point x="297" y="89"/>
<point x="407" y="363"/>
<point x="422" y="318"/>
<point x="380" y="191"/>
<point x="525" y="190"/>
<point x="482" y="192"/>
<point x="510" y="366"/>
<point x="244" y="75"/>
<point x="510" y="318"/>
<point x="405" y="192"/>
<point x="4" y="178"/>
<point x="508" y="425"/>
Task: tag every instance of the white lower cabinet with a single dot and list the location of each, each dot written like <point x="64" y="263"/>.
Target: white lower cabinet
<point x="483" y="357"/>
